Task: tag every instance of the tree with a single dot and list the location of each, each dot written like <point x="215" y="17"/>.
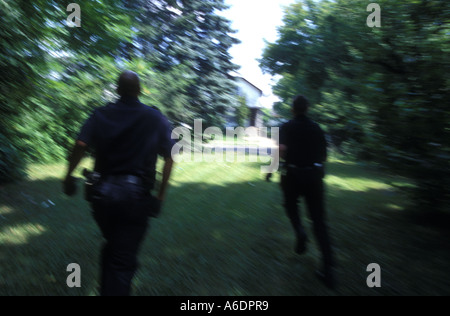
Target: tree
<point x="242" y="112"/>
<point x="189" y="39"/>
<point x="54" y="75"/>
<point x="22" y="64"/>
<point x="379" y="91"/>
<point x="35" y="41"/>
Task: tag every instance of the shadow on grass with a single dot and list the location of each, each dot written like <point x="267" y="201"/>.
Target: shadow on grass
<point x="41" y="233"/>
<point x="219" y="240"/>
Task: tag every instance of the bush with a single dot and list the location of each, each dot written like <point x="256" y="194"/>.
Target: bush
<point x="11" y="162"/>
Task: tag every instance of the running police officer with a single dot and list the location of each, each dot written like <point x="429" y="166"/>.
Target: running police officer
<point x="304" y="149"/>
<point x="127" y="137"/>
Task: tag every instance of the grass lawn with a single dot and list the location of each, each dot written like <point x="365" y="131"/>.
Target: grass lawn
<point x="224" y="232"/>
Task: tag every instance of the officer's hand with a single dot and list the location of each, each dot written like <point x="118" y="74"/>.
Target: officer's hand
<point x="70" y="186"/>
<point x="155" y="206"/>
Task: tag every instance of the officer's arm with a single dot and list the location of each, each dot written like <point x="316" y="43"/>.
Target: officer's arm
<point x="167" y="170"/>
<point x="75" y="157"/>
<point x="84" y="138"/>
<point x="282" y="147"/>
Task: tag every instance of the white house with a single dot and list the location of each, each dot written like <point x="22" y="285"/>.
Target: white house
<point x="252" y="96"/>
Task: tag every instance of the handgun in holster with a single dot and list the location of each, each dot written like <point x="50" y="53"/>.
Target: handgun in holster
<point x="90" y="184"/>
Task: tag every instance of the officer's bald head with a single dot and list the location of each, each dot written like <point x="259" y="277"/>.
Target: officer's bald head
<point x="300" y="105"/>
<point x="129" y="84"/>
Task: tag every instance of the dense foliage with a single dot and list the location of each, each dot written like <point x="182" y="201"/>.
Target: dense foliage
<point x="242" y="112"/>
<point x="189" y="36"/>
<point x="54" y="75"/>
<point x="381" y="93"/>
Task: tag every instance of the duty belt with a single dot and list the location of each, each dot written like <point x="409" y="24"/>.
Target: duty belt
<point x="131" y="179"/>
<point x="316" y="165"/>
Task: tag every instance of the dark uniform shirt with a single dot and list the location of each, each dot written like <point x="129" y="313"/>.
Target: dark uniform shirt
<point x="127" y="137"/>
<point x="305" y="142"/>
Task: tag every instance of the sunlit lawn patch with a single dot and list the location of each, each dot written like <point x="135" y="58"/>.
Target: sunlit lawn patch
<point x="223" y="231"/>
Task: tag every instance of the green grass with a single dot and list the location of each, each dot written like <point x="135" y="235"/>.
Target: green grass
<point x="223" y="231"/>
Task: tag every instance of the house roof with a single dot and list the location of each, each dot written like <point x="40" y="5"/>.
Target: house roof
<point x="242" y="78"/>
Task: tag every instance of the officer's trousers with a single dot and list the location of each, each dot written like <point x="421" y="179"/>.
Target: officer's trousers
<point x="122" y="213"/>
<point x="307" y="183"/>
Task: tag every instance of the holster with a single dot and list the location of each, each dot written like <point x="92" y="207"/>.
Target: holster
<point x="119" y="189"/>
<point x="90" y="184"/>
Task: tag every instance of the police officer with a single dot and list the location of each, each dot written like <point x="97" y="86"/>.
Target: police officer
<point x="304" y="149"/>
<point x="127" y="137"/>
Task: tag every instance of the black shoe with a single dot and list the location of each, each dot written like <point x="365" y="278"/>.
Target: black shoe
<point x="327" y="277"/>
<point x="300" y="246"/>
